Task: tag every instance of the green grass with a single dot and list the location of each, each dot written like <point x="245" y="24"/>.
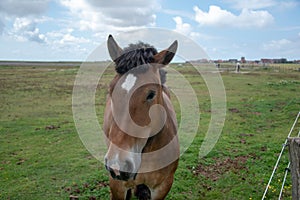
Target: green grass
<point x="42" y="157"/>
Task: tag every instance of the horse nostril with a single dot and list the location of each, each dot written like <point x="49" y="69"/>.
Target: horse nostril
<point x="111" y="171"/>
<point x="125" y="176"/>
<point x="127" y="171"/>
<point x="124" y="172"/>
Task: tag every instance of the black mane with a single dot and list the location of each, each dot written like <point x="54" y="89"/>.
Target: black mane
<point x="136" y="55"/>
<point x="133" y="56"/>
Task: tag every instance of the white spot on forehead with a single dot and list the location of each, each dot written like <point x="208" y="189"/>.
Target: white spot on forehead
<point x="129" y="82"/>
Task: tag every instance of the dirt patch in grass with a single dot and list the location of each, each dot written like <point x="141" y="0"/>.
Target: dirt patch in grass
<point x="252" y="74"/>
<point x="87" y="190"/>
<point x="220" y="167"/>
<point x="234" y="110"/>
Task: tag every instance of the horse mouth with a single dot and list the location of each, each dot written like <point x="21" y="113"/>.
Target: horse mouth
<point x="122" y="176"/>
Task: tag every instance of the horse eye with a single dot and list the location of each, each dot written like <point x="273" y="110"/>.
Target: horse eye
<point x="150" y="95"/>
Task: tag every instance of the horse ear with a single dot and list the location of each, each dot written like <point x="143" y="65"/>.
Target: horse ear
<point x="165" y="56"/>
<point x="113" y="48"/>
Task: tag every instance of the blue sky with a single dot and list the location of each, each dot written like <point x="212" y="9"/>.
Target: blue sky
<point x="58" y="30"/>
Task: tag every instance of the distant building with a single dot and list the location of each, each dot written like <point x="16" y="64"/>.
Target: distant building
<point x="233" y="60"/>
<point x="281" y="60"/>
<point x="243" y="60"/>
<point x="266" y="61"/>
<point x="274" y="60"/>
<point x="296" y="61"/>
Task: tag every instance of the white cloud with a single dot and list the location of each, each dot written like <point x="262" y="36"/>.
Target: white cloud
<point x="277" y="44"/>
<point x="111" y="15"/>
<point x="181" y="13"/>
<point x="69" y="38"/>
<point x="261" y="4"/>
<point x="252" y="4"/>
<point x="65" y="37"/>
<point x="223" y="18"/>
<point x="215" y="16"/>
<point x="183" y="28"/>
<point x="251" y="18"/>
<point x="287" y="4"/>
<point x="24" y="29"/>
<point x="16" y="8"/>
<point x="286" y="48"/>
<point x="187" y="30"/>
<point x="23" y="8"/>
<point x="67" y="42"/>
<point x="1" y="26"/>
<point x="201" y="36"/>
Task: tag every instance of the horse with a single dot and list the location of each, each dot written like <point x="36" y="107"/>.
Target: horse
<point x="140" y="124"/>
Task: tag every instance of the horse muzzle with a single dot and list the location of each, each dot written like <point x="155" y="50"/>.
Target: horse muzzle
<point x="124" y="171"/>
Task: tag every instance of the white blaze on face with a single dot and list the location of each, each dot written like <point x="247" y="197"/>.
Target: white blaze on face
<point x="129" y="82"/>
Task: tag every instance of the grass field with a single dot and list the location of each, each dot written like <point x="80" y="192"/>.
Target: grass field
<point x="42" y="157"/>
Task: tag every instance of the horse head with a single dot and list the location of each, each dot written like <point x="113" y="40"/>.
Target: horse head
<point x="135" y="108"/>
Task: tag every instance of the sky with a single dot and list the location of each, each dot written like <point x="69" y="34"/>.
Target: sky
<point x="69" y="30"/>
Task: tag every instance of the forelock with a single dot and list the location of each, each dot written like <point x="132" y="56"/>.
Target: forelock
<point x="135" y="55"/>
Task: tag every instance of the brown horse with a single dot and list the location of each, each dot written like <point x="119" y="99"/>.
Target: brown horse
<point x="140" y="123"/>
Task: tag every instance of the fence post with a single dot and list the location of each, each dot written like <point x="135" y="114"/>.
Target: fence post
<point x="294" y="155"/>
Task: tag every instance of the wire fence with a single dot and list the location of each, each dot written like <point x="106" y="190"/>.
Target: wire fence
<point x="287" y="169"/>
<point x="232" y="67"/>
